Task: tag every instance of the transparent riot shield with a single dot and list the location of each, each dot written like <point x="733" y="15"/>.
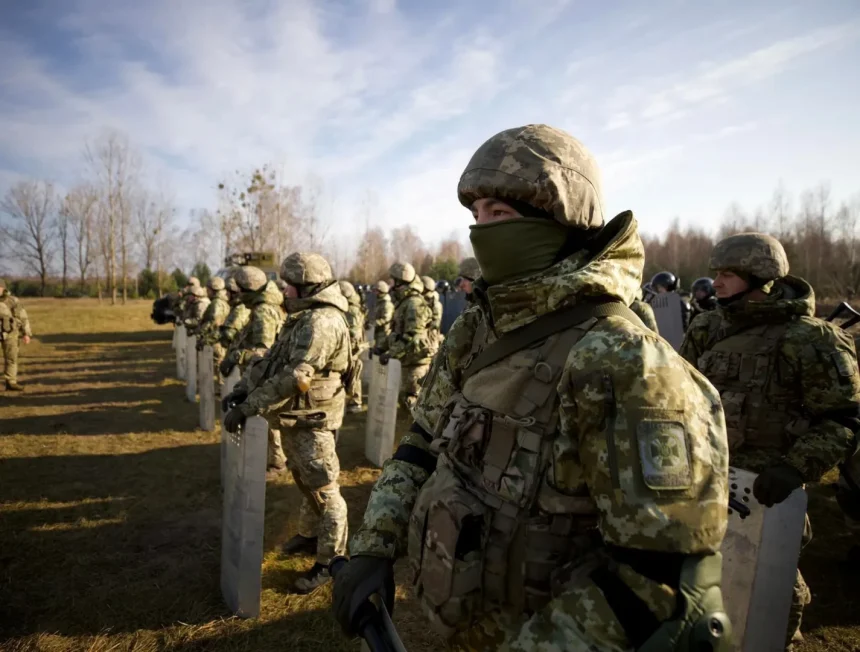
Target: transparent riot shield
<point x="243" y="518"/>
<point x="382" y="411"/>
<point x="206" y="382"/>
<point x="760" y="554"/>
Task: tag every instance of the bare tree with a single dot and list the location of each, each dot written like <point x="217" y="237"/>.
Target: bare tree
<point x="406" y="245"/>
<point x="80" y="206"/>
<point x="30" y="206"/>
<point x="152" y="219"/>
<point x="780" y="211"/>
<point x="63" y="228"/>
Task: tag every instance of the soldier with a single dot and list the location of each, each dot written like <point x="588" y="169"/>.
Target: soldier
<point x="239" y="313"/>
<point x="645" y="312"/>
<point x="383" y="313"/>
<point x="209" y="332"/>
<point x="431" y="296"/>
<point x="14" y="324"/>
<point x="566" y="473"/>
<point x="469" y="272"/>
<point x="789" y="382"/>
<point x="265" y="303"/>
<point x="355" y="319"/>
<point x="299" y="387"/>
<point x="196" y="303"/>
<point x="703" y="297"/>
<point x="409" y="341"/>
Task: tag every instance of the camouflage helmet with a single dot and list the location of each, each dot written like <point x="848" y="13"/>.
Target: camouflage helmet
<point x="402" y="272"/>
<point x="197" y="291"/>
<point x="469" y="269"/>
<point x="232" y="286"/>
<point x="193" y="281"/>
<point x="429" y="284"/>
<point x="753" y="254"/>
<point x="346" y="289"/>
<point x="306" y="269"/>
<point x="381" y="287"/>
<point x="544" y="167"/>
<point x="281" y="284"/>
<point x="250" y="279"/>
<point x="216" y="284"/>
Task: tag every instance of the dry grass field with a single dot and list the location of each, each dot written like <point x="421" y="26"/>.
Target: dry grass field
<point x="110" y="510"/>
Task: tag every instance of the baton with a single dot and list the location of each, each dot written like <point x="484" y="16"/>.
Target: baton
<point x="374" y="623"/>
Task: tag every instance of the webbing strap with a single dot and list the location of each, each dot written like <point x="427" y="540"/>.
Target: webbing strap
<point x="545" y="326"/>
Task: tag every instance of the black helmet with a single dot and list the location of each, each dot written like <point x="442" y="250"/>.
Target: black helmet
<point x="665" y="280"/>
<point x="442" y="286"/>
<point x="705" y="285"/>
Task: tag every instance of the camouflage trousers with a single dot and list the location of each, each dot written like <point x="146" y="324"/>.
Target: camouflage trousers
<point x="313" y="461"/>
<point x="411" y="378"/>
<point x="10" y="356"/>
<point x="801" y="595"/>
<point x="218" y="353"/>
<point x="275" y="458"/>
<point x="353" y="392"/>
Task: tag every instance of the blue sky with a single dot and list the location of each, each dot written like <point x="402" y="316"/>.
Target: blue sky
<point x="687" y="105"/>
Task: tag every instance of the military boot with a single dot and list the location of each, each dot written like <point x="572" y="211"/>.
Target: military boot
<point x="299" y="545"/>
<point x="312" y="579"/>
<point x="12" y="386"/>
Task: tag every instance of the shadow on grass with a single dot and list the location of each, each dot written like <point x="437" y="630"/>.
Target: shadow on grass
<point x="163" y="335"/>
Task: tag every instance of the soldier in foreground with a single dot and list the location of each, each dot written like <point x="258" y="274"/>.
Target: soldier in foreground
<point x="382" y="315"/>
<point x="789" y="382"/>
<point x="409" y="341"/>
<point x="469" y="271"/>
<point x="209" y="332"/>
<point x="14" y="325"/>
<point x="564" y="484"/>
<point x="431" y="296"/>
<point x="703" y="297"/>
<point x="265" y="303"/>
<point x="355" y="320"/>
<point x="298" y="386"/>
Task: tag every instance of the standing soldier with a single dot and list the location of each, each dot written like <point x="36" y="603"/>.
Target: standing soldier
<point x="789" y="382"/>
<point x="383" y="313"/>
<point x="566" y="473"/>
<point x="196" y="303"/>
<point x="703" y="297"/>
<point x="431" y="296"/>
<point x="666" y="283"/>
<point x="214" y="317"/>
<point x="299" y="387"/>
<point x="644" y="311"/>
<point x="469" y="272"/>
<point x="409" y="340"/>
<point x="239" y="315"/>
<point x="265" y="302"/>
<point x="14" y="324"/>
<point x="355" y="320"/>
<point x="184" y="295"/>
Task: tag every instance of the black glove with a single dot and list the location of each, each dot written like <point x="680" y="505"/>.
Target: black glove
<point x="233" y="397"/>
<point x="775" y="483"/>
<point x="226" y="367"/>
<point x="355" y="583"/>
<point x="234" y="420"/>
<point x="384" y="358"/>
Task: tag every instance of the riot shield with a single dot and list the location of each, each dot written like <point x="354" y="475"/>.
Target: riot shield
<point x="180" y="352"/>
<point x="760" y="553"/>
<point x="243" y="518"/>
<point x="670" y="317"/>
<point x="366" y="369"/>
<point x="191" y="368"/>
<point x="382" y="411"/>
<point x="227" y="387"/>
<point x="453" y="303"/>
<point x="173" y="341"/>
<point x="206" y="381"/>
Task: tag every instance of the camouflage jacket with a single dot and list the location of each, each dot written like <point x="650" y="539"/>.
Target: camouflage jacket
<point x="409" y="340"/>
<point x="355" y="319"/>
<point x="302" y="373"/>
<point x="238" y="318"/>
<point x="646" y="314"/>
<point x="195" y="309"/>
<point x="435" y="306"/>
<point x="382" y="316"/>
<point x="789" y="381"/>
<point x="267" y="316"/>
<point x="214" y="317"/>
<point x="617" y="373"/>
<point x="15" y="321"/>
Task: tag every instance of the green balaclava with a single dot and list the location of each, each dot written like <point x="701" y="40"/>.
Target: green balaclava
<point x="516" y="248"/>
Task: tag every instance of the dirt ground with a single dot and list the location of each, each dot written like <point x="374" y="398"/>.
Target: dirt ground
<point x="110" y="510"/>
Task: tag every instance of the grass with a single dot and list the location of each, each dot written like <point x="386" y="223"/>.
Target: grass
<point x="110" y="510"/>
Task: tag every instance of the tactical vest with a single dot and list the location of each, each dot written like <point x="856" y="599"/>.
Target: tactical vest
<point x="7" y="319"/>
<point x="760" y="404"/>
<point x="487" y="530"/>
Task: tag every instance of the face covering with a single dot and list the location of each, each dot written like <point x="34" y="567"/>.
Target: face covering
<point x="516" y="248"/>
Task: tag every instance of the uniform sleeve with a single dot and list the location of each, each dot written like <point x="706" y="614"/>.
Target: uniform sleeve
<point x="824" y="360"/>
<point x="20" y="313"/>
<point x="264" y="326"/>
<point x="695" y="339"/>
<point x="314" y="343"/>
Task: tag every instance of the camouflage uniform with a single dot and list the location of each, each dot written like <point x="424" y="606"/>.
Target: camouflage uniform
<point x="409" y="341"/>
<point x="209" y="331"/>
<point x="196" y="303"/>
<point x="645" y="312"/>
<point x="471" y="271"/>
<point x="382" y="315"/>
<point x="431" y="296"/>
<point x="355" y="319"/>
<point x="789" y="382"/>
<point x="239" y="315"/>
<point x="14" y="323"/>
<point x="594" y="458"/>
<point x="299" y="387"/>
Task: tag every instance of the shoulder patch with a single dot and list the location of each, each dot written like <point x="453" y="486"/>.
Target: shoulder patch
<point x="664" y="455"/>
